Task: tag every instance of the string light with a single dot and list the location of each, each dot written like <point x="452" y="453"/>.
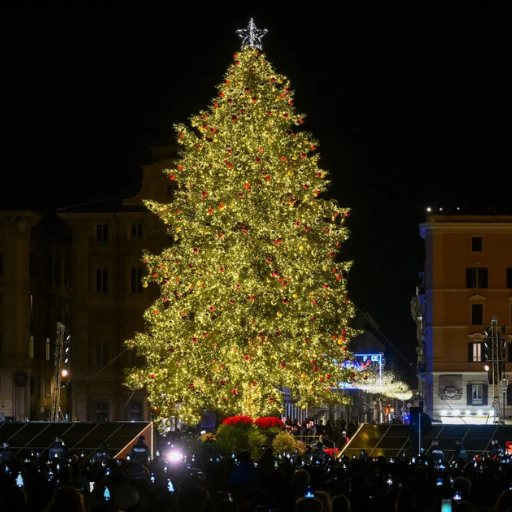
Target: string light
<point x="251" y="36"/>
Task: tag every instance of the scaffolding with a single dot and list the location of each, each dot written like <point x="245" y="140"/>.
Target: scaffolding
<point x="56" y="414"/>
<point x="496" y="350"/>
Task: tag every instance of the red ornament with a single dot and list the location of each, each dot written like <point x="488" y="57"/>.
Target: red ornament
<point x="221" y="94"/>
<point x="301" y="121"/>
<point x="180" y="136"/>
<point x="227" y="82"/>
<point x="247" y="186"/>
<point x="172" y="177"/>
<point x="328" y="376"/>
<point x="222" y="382"/>
<point x="303" y="155"/>
<point x="254" y="99"/>
<point x="347" y="214"/>
<point x="268" y="177"/>
<point x="246" y="358"/>
<point x="234" y="119"/>
<point x="247" y="89"/>
<point x="352" y="375"/>
<point x="212" y="309"/>
<point x="305" y="186"/>
<point x="257" y="159"/>
<point x="152" y="376"/>
<point x="285" y="115"/>
<point x="315" y="368"/>
<point x="283" y="159"/>
<point x="204" y="194"/>
<point x="313" y="361"/>
<point x="238" y="286"/>
<point x="332" y="254"/>
<point x="272" y="79"/>
<point x="278" y="333"/>
<point x="271" y="400"/>
<point x="215" y="105"/>
<point x="210" y="211"/>
<point x="306" y="340"/>
<point x="254" y="383"/>
<point x="282" y="365"/>
<point x="365" y="377"/>
<point x="285" y="301"/>
<point x="196" y="250"/>
<point x="191" y="385"/>
<point x="222" y="269"/>
<point x="155" y="274"/>
<point x="194" y="340"/>
<point x="234" y="391"/>
<point x="338" y="277"/>
<point x="204" y="334"/>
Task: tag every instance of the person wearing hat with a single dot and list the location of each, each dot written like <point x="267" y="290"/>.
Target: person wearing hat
<point x="140" y="451"/>
<point x="101" y="454"/>
<point x="343" y="440"/>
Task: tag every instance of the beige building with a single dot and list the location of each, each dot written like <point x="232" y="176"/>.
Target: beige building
<point x="83" y="269"/>
<point x="467" y="282"/>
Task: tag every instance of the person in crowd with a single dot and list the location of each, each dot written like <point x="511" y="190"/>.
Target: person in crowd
<point x="244" y="476"/>
<point x="140" y="451"/>
<point x="102" y="454"/>
<point x="308" y="505"/>
<point x="340" y="503"/>
<point x="5" y="453"/>
<point x="58" y="451"/>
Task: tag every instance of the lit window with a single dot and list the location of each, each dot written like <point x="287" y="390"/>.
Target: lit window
<point x="477" y="352"/>
<point x="48" y="349"/>
<point x="100" y="412"/>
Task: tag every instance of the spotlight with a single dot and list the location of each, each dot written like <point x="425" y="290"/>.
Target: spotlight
<point x="174" y="456"/>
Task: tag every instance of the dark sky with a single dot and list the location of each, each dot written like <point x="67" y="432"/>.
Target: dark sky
<point x="409" y="111"/>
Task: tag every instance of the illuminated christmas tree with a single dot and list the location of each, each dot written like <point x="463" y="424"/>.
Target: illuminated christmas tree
<point x="252" y="297"/>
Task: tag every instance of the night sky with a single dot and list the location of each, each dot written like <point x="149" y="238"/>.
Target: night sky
<point x="409" y="112"/>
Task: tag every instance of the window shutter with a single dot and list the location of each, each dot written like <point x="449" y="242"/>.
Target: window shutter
<point x="470" y="394"/>
<point x="484" y="274"/>
<point x="484" y="394"/>
<point x="470" y="352"/>
<point x="469" y="281"/>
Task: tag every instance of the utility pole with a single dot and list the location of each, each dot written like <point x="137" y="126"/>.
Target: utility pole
<point x="495" y="353"/>
<point x="59" y="368"/>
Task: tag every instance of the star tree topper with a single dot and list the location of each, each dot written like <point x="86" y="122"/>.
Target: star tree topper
<point x="251" y="36"/>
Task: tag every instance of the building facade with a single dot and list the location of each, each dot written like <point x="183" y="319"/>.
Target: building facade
<point x="467" y="282"/>
<point x="83" y="269"/>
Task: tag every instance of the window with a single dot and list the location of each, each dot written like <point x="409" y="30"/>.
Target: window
<point x="136" y="280"/>
<point x="31" y="302"/>
<point x="100" y="412"/>
<point x="477" y="314"/>
<point x="475" y="352"/>
<point x="102" y="233"/>
<point x="136" y="231"/>
<point x="509" y="278"/>
<point x="135" y="411"/>
<point x="48" y="386"/>
<point x="101" y="280"/>
<point x="31" y="347"/>
<point x="101" y="353"/>
<point x="477" y="244"/>
<point x="477" y="277"/>
<point x="477" y="394"/>
<point x="48" y="349"/>
<point x="1" y="264"/>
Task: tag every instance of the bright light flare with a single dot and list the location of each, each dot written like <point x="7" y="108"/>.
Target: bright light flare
<point x="174" y="456"/>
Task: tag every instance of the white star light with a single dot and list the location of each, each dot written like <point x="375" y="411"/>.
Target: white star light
<point x="251" y="36"/>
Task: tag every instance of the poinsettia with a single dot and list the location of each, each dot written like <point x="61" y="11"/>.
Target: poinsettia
<point x="238" y="420"/>
<point x="268" y="421"/>
<point x="332" y="452"/>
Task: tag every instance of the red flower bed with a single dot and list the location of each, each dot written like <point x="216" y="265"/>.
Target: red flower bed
<point x="268" y="421"/>
<point x="331" y="452"/>
<point x="238" y="420"/>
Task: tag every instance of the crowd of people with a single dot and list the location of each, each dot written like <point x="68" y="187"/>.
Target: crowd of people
<point x="335" y="434"/>
<point x="203" y="480"/>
